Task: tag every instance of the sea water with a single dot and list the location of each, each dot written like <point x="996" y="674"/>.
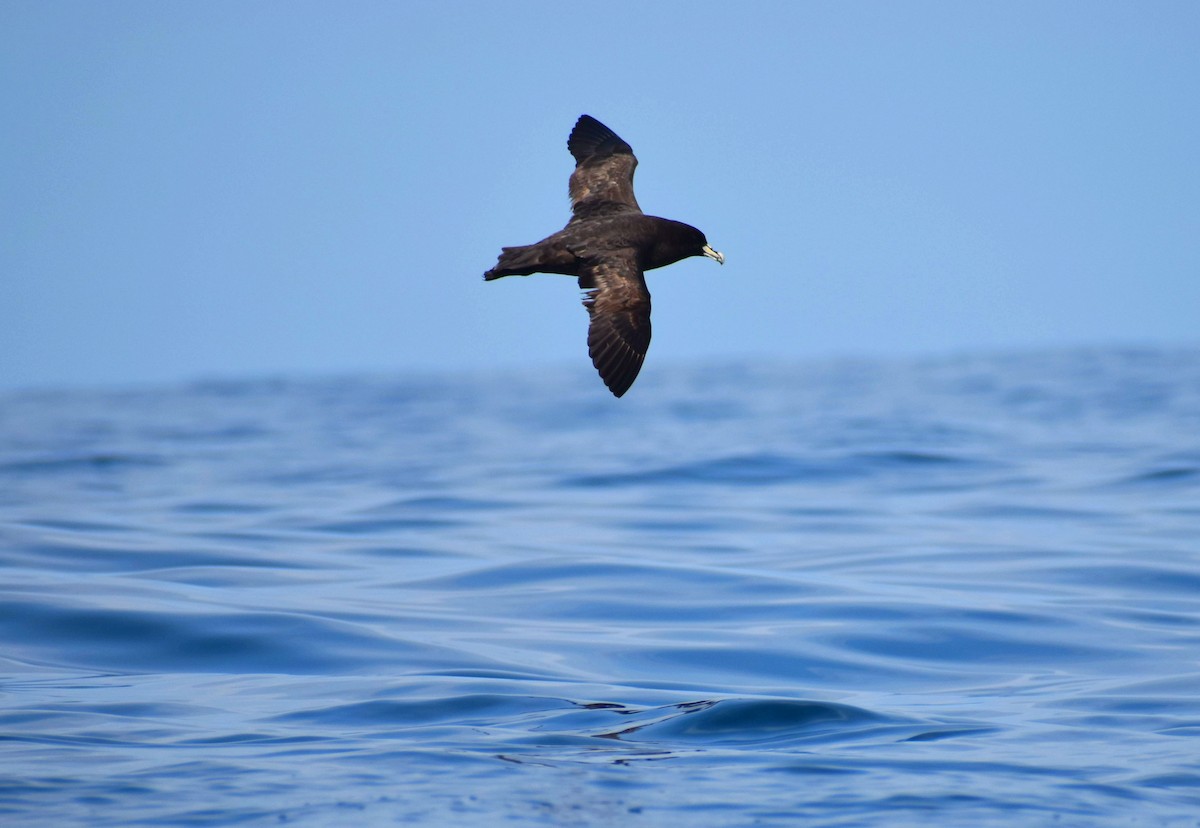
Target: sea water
<point x="959" y="591"/>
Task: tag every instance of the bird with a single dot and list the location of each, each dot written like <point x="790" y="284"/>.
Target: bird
<point x="608" y="244"/>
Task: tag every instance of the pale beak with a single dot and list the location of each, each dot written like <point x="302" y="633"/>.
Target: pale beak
<point x="713" y="254"/>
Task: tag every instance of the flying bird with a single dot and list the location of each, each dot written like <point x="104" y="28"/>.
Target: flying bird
<point x="609" y="244"/>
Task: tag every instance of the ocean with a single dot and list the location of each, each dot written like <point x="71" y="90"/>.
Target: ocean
<point x="953" y="591"/>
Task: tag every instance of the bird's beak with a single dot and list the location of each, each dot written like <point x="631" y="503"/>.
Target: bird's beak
<point x="715" y="255"/>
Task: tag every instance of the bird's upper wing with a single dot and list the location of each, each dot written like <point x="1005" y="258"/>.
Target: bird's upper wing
<point x="602" y="183"/>
<point x="619" y="305"/>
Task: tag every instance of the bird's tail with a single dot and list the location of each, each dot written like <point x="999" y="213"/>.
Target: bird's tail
<point x="532" y="258"/>
<point x="514" y="261"/>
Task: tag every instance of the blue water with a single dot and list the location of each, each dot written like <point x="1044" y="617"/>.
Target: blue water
<point x="857" y="593"/>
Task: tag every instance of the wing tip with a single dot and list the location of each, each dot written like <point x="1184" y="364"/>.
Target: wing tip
<point x="589" y="137"/>
<point x="616" y="362"/>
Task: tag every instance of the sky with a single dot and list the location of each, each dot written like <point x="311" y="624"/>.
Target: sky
<point x="248" y="189"/>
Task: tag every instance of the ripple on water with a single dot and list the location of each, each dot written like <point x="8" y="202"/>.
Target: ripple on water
<point x="130" y="640"/>
<point x="773" y="469"/>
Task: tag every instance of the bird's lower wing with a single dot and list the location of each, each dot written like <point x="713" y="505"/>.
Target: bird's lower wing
<point x="619" y="305"/>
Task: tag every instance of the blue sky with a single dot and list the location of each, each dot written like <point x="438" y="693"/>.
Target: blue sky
<point x="262" y="188"/>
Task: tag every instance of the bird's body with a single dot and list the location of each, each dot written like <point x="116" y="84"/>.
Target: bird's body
<point x="608" y="244"/>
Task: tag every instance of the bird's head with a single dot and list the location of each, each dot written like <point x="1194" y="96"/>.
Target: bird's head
<point x="699" y="245"/>
<point x="675" y="241"/>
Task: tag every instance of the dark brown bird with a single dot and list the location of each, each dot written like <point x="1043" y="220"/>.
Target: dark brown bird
<point x="609" y="244"/>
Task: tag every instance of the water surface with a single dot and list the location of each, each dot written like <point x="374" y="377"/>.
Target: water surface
<point x="842" y="593"/>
